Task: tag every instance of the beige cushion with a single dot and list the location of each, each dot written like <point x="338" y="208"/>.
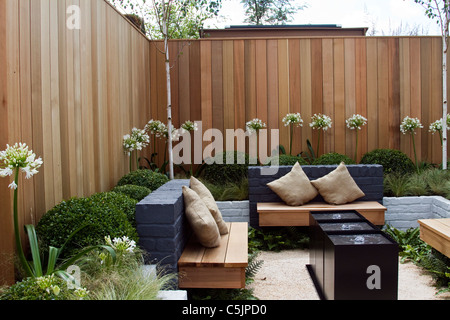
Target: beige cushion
<point x="294" y="188"/>
<point x="210" y="203"/>
<point x="338" y="187"/>
<point x="200" y="219"/>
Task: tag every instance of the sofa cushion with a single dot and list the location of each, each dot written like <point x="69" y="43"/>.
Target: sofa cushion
<point x="210" y="203"/>
<point x="294" y="188"/>
<point x="200" y="219"/>
<point x="338" y="187"/>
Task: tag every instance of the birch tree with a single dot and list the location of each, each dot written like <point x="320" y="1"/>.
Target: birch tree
<point x="439" y="10"/>
<point x="172" y="19"/>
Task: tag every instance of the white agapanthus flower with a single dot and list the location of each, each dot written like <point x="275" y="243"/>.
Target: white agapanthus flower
<point x="294" y="119"/>
<point x="156" y="127"/>
<point x="121" y="245"/>
<point x="356" y="121"/>
<point x="18" y="157"/>
<point x="320" y="121"/>
<point x="189" y="126"/>
<point x="437" y="125"/>
<point x="137" y="140"/>
<point x="254" y="125"/>
<point x="409" y="124"/>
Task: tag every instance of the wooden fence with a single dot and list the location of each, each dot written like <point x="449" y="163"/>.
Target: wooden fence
<point x="72" y="94"/>
<point x="225" y="83"/>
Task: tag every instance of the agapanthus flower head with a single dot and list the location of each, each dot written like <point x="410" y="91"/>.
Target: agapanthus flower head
<point x="156" y="127"/>
<point x="409" y="125"/>
<point x="437" y="125"/>
<point x="320" y="121"/>
<point x="121" y="245"/>
<point x="254" y="125"/>
<point x="189" y="126"/>
<point x="137" y="140"/>
<point x="356" y="121"/>
<point x="18" y="157"/>
<point x="293" y="119"/>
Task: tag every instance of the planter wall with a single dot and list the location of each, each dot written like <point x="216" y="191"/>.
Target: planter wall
<point x="403" y="213"/>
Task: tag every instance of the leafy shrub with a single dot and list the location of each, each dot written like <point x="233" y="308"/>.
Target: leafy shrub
<point x="144" y="178"/>
<point x="396" y="185"/>
<point x="391" y="160"/>
<point x="428" y="182"/>
<point x="121" y="201"/>
<point x="277" y="239"/>
<point x="333" y="158"/>
<point x="134" y="192"/>
<point x="226" y="172"/>
<point x="288" y="160"/>
<point x="237" y="191"/>
<point x="103" y="214"/>
<point x="39" y="288"/>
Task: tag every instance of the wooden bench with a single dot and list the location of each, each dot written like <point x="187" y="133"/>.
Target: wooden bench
<point x="220" y="267"/>
<point x="267" y="209"/>
<point x="436" y="232"/>
<point x="278" y="214"/>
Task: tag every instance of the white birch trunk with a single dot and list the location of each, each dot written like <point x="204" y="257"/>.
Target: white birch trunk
<point x="169" y="97"/>
<point x="444" y="90"/>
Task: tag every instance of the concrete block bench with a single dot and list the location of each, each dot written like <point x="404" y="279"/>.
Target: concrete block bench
<point x="267" y="209"/>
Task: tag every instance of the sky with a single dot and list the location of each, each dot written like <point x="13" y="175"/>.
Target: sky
<point x="383" y="16"/>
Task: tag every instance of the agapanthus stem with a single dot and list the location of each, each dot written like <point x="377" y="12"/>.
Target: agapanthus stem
<point x="415" y="154"/>
<point x="292" y="134"/>
<point x="318" y="143"/>
<point x="19" y="248"/>
<point x="356" y="147"/>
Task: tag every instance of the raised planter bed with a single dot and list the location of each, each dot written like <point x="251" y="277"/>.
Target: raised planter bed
<point x="403" y="213"/>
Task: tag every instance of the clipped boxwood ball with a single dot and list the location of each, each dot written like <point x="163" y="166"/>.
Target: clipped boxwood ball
<point x="144" y="178"/>
<point x="392" y="160"/>
<point x="135" y="192"/>
<point x="333" y="158"/>
<point x="105" y="214"/>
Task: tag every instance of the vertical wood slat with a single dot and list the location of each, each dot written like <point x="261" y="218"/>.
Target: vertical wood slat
<point x="68" y="96"/>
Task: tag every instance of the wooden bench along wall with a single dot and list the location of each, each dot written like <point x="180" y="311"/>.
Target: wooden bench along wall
<point x="436" y="232"/>
<point x="166" y="236"/>
<point x="267" y="209"/>
<point x="221" y="267"/>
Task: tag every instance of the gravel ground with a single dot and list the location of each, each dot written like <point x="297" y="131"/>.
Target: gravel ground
<point x="284" y="276"/>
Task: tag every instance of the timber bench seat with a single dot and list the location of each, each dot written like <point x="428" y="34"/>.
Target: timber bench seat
<point x="268" y="209"/>
<point x="436" y="232"/>
<point x="278" y="214"/>
<point x="221" y="267"/>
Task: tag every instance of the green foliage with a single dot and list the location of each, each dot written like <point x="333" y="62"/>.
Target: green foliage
<point x="277" y="239"/>
<point x="412" y="248"/>
<point x="237" y="191"/>
<point x="42" y="288"/>
<point x="288" y="160"/>
<point x="134" y="192"/>
<point x="231" y="171"/>
<point x="144" y="178"/>
<point x="392" y="160"/>
<point x="269" y="11"/>
<point x="103" y="214"/>
<point x="431" y="181"/>
<point x="332" y="158"/>
<point x="254" y="265"/>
